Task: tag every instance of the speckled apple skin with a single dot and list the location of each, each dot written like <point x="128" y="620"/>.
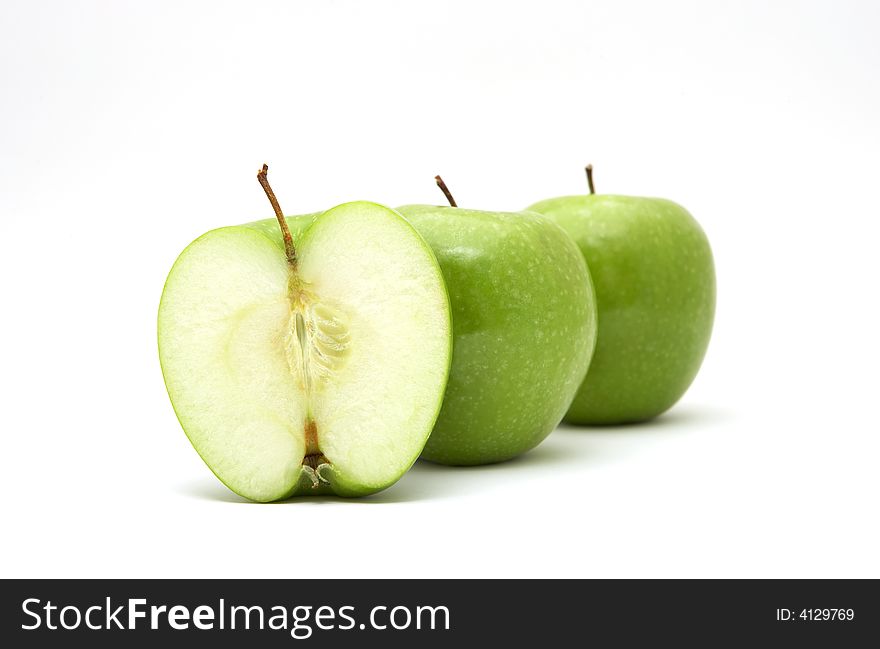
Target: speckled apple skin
<point x="654" y="278"/>
<point x="524" y="327"/>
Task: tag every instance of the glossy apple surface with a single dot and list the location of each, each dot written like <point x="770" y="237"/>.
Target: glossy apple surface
<point x="524" y="323"/>
<point x="654" y="278"/>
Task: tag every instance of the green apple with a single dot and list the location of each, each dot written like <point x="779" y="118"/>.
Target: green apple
<point x="310" y="358"/>
<point x="524" y="323"/>
<point x="654" y="278"/>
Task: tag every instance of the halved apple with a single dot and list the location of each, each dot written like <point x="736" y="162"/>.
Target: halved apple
<point x="313" y="367"/>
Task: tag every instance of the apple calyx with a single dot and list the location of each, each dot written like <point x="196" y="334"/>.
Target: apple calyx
<point x="589" y="170"/>
<point x="445" y="190"/>
<point x="313" y="457"/>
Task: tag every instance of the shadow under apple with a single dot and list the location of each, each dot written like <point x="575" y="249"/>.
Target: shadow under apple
<point x="567" y="445"/>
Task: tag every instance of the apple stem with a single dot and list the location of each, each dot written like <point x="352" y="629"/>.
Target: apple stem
<point x="589" y="170"/>
<point x="445" y="190"/>
<point x="289" y="249"/>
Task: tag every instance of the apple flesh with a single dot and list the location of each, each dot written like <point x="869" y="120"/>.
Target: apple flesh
<point x="325" y="376"/>
<point x="654" y="278"/>
<point x="524" y="323"/>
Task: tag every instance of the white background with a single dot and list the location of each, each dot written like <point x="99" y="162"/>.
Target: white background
<point x="127" y="129"/>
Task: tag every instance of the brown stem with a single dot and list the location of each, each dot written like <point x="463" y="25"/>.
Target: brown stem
<point x="589" y="169"/>
<point x="289" y="249"/>
<point x="445" y="190"/>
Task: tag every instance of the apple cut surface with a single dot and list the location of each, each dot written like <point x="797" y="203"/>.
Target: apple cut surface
<point x="322" y="376"/>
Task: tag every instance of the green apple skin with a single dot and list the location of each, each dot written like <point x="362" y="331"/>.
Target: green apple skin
<point x="654" y="278"/>
<point x="524" y="326"/>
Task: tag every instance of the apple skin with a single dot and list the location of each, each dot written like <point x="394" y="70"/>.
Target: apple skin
<point x="654" y="278"/>
<point x="524" y="326"/>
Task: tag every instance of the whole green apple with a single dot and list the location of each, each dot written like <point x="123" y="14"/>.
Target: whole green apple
<point x="654" y="278"/>
<point x="307" y="355"/>
<point x="524" y="325"/>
